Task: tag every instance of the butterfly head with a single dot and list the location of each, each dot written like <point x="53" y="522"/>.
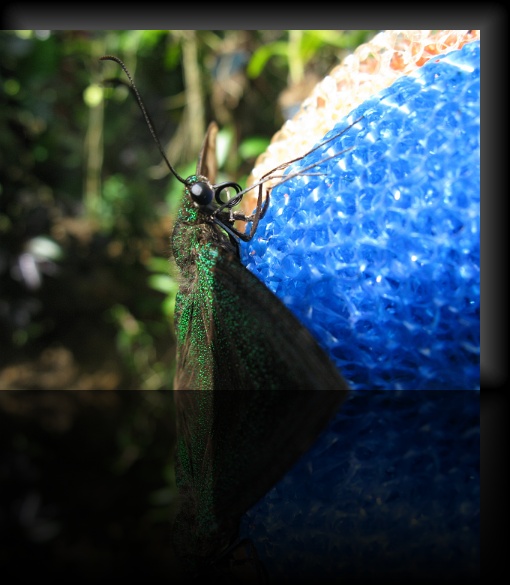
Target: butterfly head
<point x="199" y="190"/>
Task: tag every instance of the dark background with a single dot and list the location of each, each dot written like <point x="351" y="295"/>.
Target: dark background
<point x="87" y="490"/>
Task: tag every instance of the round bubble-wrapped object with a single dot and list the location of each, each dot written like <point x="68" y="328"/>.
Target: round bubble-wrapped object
<point x="379" y="256"/>
<point x="377" y="250"/>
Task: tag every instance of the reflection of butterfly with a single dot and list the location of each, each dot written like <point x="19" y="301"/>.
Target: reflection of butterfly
<point x="255" y="388"/>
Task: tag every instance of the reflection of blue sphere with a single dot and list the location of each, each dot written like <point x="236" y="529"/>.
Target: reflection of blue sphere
<point x="390" y="491"/>
<point x="380" y="254"/>
<point x="379" y="257"/>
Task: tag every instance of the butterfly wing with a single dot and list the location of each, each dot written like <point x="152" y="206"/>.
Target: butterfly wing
<point x="236" y="334"/>
<point x="207" y="164"/>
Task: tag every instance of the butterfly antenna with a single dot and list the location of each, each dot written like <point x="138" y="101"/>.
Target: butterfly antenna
<point x="144" y="112"/>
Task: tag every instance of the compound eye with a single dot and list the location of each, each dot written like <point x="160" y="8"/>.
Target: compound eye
<point x="201" y="193"/>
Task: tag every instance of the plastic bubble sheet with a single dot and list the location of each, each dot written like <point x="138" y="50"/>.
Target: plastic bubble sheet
<point x="377" y="250"/>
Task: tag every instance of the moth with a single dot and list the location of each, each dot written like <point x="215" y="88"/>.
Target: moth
<point x="232" y="332"/>
<point x="254" y="387"/>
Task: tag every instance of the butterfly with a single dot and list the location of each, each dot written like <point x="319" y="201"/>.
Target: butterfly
<point x="254" y="387"/>
<point x="232" y="332"/>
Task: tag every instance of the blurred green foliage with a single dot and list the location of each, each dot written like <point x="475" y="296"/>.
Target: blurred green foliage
<point x="86" y="204"/>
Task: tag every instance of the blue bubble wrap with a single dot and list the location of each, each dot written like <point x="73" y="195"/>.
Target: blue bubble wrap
<point x="390" y="490"/>
<point x="379" y="255"/>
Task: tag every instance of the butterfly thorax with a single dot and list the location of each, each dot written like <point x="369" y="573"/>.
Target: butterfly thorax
<point x="194" y="235"/>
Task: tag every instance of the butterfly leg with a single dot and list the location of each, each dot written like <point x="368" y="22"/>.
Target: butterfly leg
<point x="255" y="217"/>
<point x="226" y="221"/>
